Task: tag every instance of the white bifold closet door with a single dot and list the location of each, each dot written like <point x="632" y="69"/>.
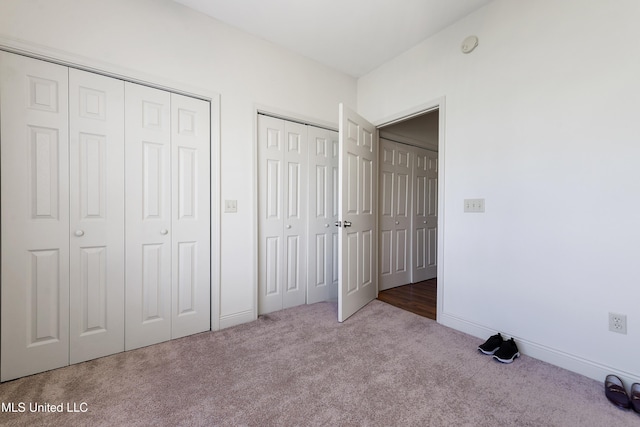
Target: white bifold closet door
<point x="96" y="215"/>
<point x="35" y="215"/>
<point x="167" y="216"/>
<point x="425" y="223"/>
<point x="62" y="216"/>
<point x="396" y="162"/>
<point x="282" y="255"/>
<point x="323" y="213"/>
<point x="70" y="292"/>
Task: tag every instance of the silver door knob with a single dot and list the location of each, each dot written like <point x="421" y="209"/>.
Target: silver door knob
<point x="326" y="226"/>
<point x="79" y="233"/>
<point x="397" y="222"/>
<point x="424" y="222"/>
<point x="164" y="231"/>
<point x="347" y="223"/>
<point x="288" y="227"/>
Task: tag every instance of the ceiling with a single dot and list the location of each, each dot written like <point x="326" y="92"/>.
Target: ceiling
<point x="352" y="36"/>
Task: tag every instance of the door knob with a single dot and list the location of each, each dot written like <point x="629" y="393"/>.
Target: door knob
<point x="79" y="233"/>
<point x="397" y="222"/>
<point x="288" y="226"/>
<point x="164" y="231"/>
<point x="338" y="223"/>
<point x="424" y="222"/>
<point x="347" y="223"/>
<point x="326" y="226"/>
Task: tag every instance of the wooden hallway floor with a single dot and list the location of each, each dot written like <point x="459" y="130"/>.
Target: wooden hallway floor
<point x="419" y="298"/>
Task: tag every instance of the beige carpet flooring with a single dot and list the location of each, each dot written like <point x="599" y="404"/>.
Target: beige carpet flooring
<point x="298" y="367"/>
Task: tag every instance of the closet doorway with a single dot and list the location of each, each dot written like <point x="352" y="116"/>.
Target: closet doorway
<point x="408" y="213"/>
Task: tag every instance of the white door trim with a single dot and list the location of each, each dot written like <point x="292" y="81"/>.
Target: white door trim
<point x="440" y="105"/>
<point x="93" y="65"/>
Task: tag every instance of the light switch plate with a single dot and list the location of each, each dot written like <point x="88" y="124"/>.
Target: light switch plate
<point x="474" y="205"/>
<point x="231" y="206"/>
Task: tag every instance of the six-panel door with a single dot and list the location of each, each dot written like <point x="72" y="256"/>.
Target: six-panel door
<point x="358" y="212"/>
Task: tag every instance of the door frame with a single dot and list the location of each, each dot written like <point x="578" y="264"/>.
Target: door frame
<point x="96" y="66"/>
<point x="435" y="104"/>
<point x="418" y="110"/>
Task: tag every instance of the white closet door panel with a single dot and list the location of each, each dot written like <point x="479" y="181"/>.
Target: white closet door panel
<point x="295" y="214"/>
<point x="271" y="165"/>
<point x="191" y="300"/>
<point x="35" y="216"/>
<point x="322" y="282"/>
<point x="96" y="153"/>
<point x="402" y="222"/>
<point x="148" y="215"/>
<point x="425" y="215"/>
<point x="395" y="214"/>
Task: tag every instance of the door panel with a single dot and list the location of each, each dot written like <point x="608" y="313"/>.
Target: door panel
<point x="295" y="221"/>
<point x="271" y="137"/>
<point x="34" y="165"/>
<point x="148" y="217"/>
<point x="96" y="153"/>
<point x="395" y="214"/>
<point x="190" y="229"/>
<point x="358" y="199"/>
<point x="426" y="215"/>
<point x="323" y="167"/>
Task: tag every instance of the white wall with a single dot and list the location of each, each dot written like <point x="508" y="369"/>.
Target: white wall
<point x="168" y="41"/>
<point x="542" y="122"/>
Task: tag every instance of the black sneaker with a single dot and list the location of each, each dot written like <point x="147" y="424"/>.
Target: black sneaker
<point x="507" y="352"/>
<point x="491" y="345"/>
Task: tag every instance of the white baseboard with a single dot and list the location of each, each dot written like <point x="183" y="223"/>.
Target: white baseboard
<point x="237" y="319"/>
<point x="570" y="362"/>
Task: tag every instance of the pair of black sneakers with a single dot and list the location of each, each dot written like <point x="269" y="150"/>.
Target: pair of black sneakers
<point x="504" y="351"/>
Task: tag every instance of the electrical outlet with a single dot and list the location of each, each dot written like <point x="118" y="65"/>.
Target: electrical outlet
<point x="618" y="323"/>
<point x="230" y="206"/>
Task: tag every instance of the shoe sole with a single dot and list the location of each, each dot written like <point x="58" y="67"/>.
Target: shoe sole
<point x="507" y="360"/>
<point x="490" y="353"/>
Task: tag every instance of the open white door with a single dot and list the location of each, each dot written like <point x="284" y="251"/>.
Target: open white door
<point x="357" y="270"/>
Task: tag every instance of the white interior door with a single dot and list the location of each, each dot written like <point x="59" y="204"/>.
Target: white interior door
<point x="323" y="213"/>
<point x="357" y="239"/>
<point x="425" y="227"/>
<point x="96" y="156"/>
<point x="35" y="216"/>
<point x="395" y="214"/>
<point x="148" y="216"/>
<point x="190" y="232"/>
